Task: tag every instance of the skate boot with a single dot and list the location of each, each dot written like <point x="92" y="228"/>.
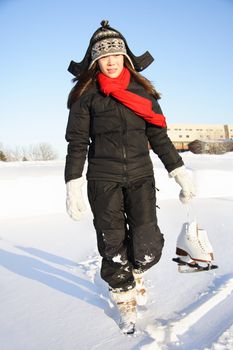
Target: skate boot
<point x="126" y="304"/>
<point x="194" y="250"/>
<point x="141" y="292"/>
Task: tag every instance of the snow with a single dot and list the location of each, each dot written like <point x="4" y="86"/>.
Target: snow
<point x="52" y="296"/>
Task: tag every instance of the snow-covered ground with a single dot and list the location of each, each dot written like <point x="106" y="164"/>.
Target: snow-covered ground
<point x="52" y="296"/>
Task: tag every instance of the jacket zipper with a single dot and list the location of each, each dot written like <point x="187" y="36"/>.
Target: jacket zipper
<point x="124" y="136"/>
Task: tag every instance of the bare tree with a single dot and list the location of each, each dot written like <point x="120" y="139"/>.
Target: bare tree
<point x="42" y="151"/>
<point x="2" y="156"/>
<point x="2" y="153"/>
<point x="15" y="154"/>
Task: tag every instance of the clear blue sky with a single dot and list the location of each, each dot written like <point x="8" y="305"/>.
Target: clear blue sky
<point x="191" y="41"/>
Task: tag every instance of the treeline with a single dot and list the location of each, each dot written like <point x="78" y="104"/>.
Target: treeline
<point x="41" y="151"/>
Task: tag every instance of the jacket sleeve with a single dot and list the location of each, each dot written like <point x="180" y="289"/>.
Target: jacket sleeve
<point x="162" y="145"/>
<point x="77" y="136"/>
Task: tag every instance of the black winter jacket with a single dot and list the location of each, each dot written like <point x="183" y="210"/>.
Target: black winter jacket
<point x="115" y="138"/>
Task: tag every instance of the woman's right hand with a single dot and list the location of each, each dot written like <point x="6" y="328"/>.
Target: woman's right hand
<point x="75" y="205"/>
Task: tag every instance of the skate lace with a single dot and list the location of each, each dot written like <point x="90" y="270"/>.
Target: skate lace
<point x="201" y="240"/>
<point x="204" y="242"/>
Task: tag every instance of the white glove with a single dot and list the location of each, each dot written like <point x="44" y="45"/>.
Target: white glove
<point x="183" y="178"/>
<point x="75" y="205"/>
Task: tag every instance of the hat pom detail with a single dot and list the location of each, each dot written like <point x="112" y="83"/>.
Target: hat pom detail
<point x="104" y="23"/>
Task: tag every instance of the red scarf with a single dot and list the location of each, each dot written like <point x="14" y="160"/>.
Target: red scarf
<point x="116" y="87"/>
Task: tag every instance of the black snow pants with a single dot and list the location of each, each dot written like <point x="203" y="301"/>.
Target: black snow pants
<point x="126" y="225"/>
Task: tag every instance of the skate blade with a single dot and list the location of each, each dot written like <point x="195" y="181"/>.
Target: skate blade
<point x="185" y="267"/>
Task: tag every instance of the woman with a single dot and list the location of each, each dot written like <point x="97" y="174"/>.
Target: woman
<point x="114" y="113"/>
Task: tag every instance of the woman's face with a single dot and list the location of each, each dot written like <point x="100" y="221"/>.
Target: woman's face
<point x="112" y="65"/>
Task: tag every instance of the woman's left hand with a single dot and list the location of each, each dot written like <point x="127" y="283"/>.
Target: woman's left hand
<point x="182" y="177"/>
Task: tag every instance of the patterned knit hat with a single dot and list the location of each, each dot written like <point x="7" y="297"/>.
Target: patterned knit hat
<point x="107" y="41"/>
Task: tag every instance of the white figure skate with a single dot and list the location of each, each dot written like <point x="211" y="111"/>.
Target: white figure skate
<point x="194" y="250"/>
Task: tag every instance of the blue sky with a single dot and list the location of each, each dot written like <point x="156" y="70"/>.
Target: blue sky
<point x="191" y="41"/>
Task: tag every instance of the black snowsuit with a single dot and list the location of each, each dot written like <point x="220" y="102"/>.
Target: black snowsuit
<point x="121" y="188"/>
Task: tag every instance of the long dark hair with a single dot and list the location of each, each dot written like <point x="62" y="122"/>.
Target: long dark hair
<point x="141" y="80"/>
<point x="88" y="79"/>
<point x="83" y="83"/>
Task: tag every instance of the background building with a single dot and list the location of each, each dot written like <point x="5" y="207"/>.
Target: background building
<point x="182" y="134"/>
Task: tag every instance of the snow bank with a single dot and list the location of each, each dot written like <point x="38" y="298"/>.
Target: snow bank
<point x="32" y="188"/>
<point x="36" y="188"/>
<point x="51" y="291"/>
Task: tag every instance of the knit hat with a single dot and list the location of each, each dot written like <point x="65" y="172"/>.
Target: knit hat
<point x="107" y="41"/>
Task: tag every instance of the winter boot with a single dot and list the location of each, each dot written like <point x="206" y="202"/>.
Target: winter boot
<point x="126" y="304"/>
<point x="141" y="292"/>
